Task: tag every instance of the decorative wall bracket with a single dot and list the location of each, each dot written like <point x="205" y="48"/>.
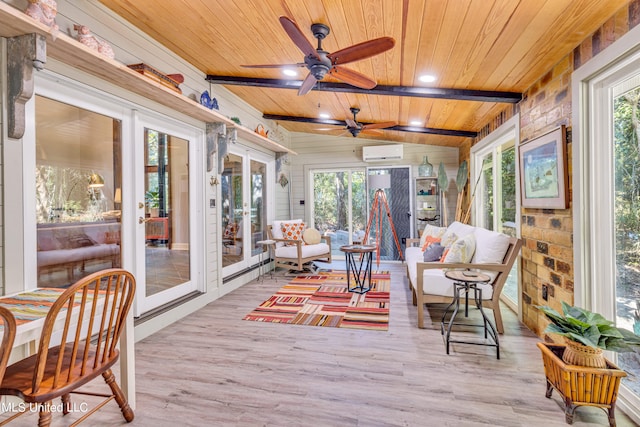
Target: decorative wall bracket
<point x="24" y="53"/>
<point x="212" y="132"/>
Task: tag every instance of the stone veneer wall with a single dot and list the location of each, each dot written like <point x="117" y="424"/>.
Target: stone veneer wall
<point x="547" y="253"/>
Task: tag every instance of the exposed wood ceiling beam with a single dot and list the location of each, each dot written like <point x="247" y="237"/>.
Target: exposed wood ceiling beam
<point x="417" y="129"/>
<point x="413" y="91"/>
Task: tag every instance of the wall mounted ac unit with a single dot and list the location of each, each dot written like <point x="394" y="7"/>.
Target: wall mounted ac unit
<point x="381" y="153"/>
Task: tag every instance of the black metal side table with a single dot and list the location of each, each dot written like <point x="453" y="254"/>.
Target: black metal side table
<point x="468" y="281"/>
<point x="361" y="269"/>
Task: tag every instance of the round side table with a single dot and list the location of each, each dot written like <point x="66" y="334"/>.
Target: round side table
<point x="467" y="281"/>
<point x="261" y="267"/>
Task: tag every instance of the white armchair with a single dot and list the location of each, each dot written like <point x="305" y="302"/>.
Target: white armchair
<point x="293" y="254"/>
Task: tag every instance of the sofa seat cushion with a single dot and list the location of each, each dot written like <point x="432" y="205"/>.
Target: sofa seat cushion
<point x="307" y="251"/>
<point x="434" y="281"/>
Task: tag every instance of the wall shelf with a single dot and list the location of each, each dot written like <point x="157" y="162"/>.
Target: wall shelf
<point x="14" y="22"/>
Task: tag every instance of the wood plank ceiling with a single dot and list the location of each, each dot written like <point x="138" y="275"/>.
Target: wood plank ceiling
<point x="491" y="45"/>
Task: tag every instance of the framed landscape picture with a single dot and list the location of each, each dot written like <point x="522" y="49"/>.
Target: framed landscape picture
<point x="543" y="170"/>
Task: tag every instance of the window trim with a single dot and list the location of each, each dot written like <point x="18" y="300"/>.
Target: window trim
<point x="589" y="148"/>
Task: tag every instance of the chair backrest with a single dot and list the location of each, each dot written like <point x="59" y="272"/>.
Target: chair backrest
<point x="509" y="258"/>
<point x="93" y="311"/>
<point x="8" y="336"/>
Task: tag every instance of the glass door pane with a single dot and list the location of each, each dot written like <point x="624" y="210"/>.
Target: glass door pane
<point x="486" y="194"/>
<point x="339" y="206"/>
<point x="626" y="210"/>
<point x="167" y="244"/>
<point x="78" y="192"/>
<point x="395" y="208"/>
<point x="232" y="211"/>
<point x="258" y="206"/>
<point x="506" y="199"/>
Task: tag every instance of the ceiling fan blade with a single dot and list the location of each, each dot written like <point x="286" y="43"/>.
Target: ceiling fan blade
<point x="381" y="125"/>
<point x="361" y="50"/>
<point x="307" y="84"/>
<point x="299" y="64"/>
<point x="372" y="132"/>
<point x="351" y="123"/>
<point x="351" y="77"/>
<point x="297" y="36"/>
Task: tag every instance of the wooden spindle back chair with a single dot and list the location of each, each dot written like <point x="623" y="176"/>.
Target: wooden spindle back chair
<point x="8" y="336"/>
<point x="78" y="343"/>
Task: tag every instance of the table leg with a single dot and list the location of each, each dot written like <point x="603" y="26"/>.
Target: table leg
<point x="456" y="299"/>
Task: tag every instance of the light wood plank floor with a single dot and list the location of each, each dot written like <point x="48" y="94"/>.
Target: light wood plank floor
<point x="214" y="369"/>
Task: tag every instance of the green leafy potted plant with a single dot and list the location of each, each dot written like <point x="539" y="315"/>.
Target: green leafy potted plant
<point x="578" y="370"/>
<point x="582" y="327"/>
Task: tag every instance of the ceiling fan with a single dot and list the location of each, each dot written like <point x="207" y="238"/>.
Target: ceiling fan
<point x="354" y="128"/>
<point x="319" y="62"/>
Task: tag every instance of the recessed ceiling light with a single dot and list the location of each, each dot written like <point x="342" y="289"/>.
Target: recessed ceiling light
<point x="324" y="116"/>
<point x="289" y="72"/>
<point x="428" y="78"/>
<point x="415" y="123"/>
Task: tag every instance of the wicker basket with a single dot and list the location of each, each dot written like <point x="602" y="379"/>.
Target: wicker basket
<point x="581" y="385"/>
<point x="579" y="354"/>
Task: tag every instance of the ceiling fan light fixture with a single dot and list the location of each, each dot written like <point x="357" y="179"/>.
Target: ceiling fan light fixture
<point x="428" y="78"/>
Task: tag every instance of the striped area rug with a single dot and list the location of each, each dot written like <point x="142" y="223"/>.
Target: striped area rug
<point x="323" y="300"/>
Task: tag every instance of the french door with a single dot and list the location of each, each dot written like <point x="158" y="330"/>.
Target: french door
<point x="244" y="194"/>
<point x="494" y="180"/>
<point x="165" y="192"/>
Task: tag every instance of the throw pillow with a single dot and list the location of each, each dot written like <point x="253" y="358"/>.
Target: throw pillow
<point x="448" y="239"/>
<point x="430" y="240"/>
<point x="431" y="231"/>
<point x="292" y="231"/>
<point x="462" y="250"/>
<point x="311" y="236"/>
<point x="433" y="252"/>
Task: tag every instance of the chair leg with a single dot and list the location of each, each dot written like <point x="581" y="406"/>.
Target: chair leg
<point x="110" y="379"/>
<point x="44" y="418"/>
<point x="66" y="404"/>
<point x="498" y="316"/>
<point x="420" y="307"/>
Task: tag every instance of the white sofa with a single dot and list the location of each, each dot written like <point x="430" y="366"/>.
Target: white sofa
<point x="494" y="254"/>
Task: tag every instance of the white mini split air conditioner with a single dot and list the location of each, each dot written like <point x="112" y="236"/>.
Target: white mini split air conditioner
<point x="381" y="153"/>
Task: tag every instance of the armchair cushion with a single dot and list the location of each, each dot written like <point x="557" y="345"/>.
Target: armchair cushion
<point x="491" y="247"/>
<point x="292" y="231"/>
<point x="307" y="251"/>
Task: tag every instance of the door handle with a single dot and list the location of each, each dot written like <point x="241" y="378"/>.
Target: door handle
<point x="143" y="220"/>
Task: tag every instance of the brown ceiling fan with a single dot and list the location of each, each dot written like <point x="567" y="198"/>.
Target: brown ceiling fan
<point x="354" y="128"/>
<point x="319" y="62"/>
